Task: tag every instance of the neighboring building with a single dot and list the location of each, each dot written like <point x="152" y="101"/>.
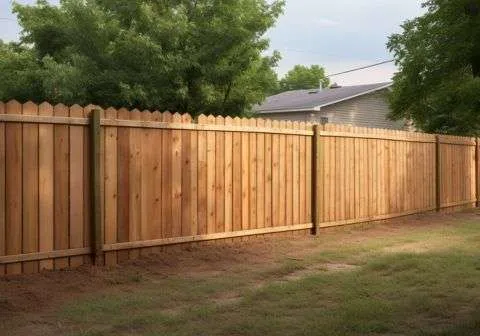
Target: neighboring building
<point x="360" y="105"/>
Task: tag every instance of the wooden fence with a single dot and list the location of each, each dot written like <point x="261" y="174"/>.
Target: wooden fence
<point x="78" y="182"/>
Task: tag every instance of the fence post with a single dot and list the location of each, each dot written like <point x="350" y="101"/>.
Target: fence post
<point x="438" y="177"/>
<point x="95" y="185"/>
<point x="477" y="173"/>
<point x="316" y="157"/>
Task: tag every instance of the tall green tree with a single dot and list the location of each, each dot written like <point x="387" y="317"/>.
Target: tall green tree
<point x="438" y="54"/>
<point x="197" y="56"/>
<point x="303" y="77"/>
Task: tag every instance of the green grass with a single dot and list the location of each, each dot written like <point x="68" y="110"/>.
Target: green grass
<point x="420" y="282"/>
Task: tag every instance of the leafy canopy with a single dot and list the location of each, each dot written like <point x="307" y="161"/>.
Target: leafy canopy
<point x="197" y="56"/>
<point x="303" y="77"/>
<point x="438" y="85"/>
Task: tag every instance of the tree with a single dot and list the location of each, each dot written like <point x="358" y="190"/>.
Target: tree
<point x="438" y="55"/>
<point x="197" y="56"/>
<point x="303" y="77"/>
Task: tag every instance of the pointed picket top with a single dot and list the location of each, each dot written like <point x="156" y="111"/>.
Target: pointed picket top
<point x="13" y="107"/>
<point x="186" y="118"/>
<point x="123" y="113"/>
<point x="29" y="108"/>
<point x="177" y="118"/>
<point x="157" y="116"/>
<point x="135" y="114"/>
<point x="167" y="116"/>
<point x="60" y="110"/>
<point x="111" y="113"/>
<point x="202" y="119"/>
<point x="147" y="115"/>
<point x="245" y="122"/>
<point x="268" y="123"/>
<point x="260" y="122"/>
<point x="210" y="119"/>
<point x="76" y="111"/>
<point x="220" y="120"/>
<point x="237" y="121"/>
<point x="276" y="124"/>
<point x="45" y="109"/>
<point x="29" y="104"/>
<point x="228" y="120"/>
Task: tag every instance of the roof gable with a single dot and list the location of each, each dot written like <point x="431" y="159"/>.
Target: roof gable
<point x="310" y="100"/>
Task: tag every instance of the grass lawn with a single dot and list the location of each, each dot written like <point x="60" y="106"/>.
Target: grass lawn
<point x="421" y="277"/>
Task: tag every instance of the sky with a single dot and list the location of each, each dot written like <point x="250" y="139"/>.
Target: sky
<point x="339" y="35"/>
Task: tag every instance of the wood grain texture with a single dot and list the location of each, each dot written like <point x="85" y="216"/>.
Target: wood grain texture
<point x="30" y="230"/>
<point x="3" y="248"/>
<point x="111" y="187"/>
<point x="61" y="186"/>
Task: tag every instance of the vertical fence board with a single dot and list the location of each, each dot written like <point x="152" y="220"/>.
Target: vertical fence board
<point x="186" y="179"/>
<point x="76" y="178"/>
<point x="177" y="178"/>
<point x="123" y="184"/>
<point x="111" y="183"/>
<point x="13" y="185"/>
<point x="211" y="153"/>
<point x="260" y="149"/>
<point x="253" y="176"/>
<point x="220" y="177"/>
<point x="3" y="248"/>
<point x="275" y="175"/>
<point x="268" y="176"/>
<point x="167" y="185"/>
<point x="228" y="157"/>
<point x="202" y="178"/>
<point x="135" y="180"/>
<point x="46" y="186"/>
<point x="245" y="177"/>
<point x="30" y="188"/>
<point x="61" y="191"/>
<point x="282" y="187"/>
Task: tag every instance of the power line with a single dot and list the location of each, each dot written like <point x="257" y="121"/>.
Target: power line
<point x="361" y="68"/>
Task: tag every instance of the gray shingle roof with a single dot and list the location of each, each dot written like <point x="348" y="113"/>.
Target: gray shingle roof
<point x="308" y="100"/>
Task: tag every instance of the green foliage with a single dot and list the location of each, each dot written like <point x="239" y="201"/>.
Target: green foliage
<point x="200" y="56"/>
<point x="303" y="77"/>
<point x="438" y="55"/>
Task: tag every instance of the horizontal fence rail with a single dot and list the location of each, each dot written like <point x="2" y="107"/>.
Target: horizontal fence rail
<point x="81" y="184"/>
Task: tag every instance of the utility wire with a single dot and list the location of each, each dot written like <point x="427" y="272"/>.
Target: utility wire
<point x="361" y="68"/>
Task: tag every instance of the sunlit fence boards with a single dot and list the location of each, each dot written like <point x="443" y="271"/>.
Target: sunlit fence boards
<point x="167" y="179"/>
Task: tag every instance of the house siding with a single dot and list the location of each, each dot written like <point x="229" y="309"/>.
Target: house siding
<point x="370" y="110"/>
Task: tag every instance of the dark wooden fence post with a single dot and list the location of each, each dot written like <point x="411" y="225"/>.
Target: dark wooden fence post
<point x="95" y="174"/>
<point x="316" y="157"/>
<point x="477" y="172"/>
<point x="438" y="177"/>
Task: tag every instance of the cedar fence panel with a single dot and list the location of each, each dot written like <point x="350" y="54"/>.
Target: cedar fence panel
<point x="167" y="179"/>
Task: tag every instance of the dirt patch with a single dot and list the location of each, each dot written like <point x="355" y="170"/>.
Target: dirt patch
<point x="312" y="270"/>
<point x="227" y="298"/>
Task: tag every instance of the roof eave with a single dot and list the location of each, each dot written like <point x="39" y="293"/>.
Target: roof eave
<point x="357" y="95"/>
<point x="287" y="110"/>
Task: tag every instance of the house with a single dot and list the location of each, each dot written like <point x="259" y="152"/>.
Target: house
<point x="359" y="105"/>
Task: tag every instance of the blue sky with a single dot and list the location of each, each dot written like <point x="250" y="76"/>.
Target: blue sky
<point x="339" y="34"/>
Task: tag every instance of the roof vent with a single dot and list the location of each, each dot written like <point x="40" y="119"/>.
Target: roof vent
<point x="335" y="86"/>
